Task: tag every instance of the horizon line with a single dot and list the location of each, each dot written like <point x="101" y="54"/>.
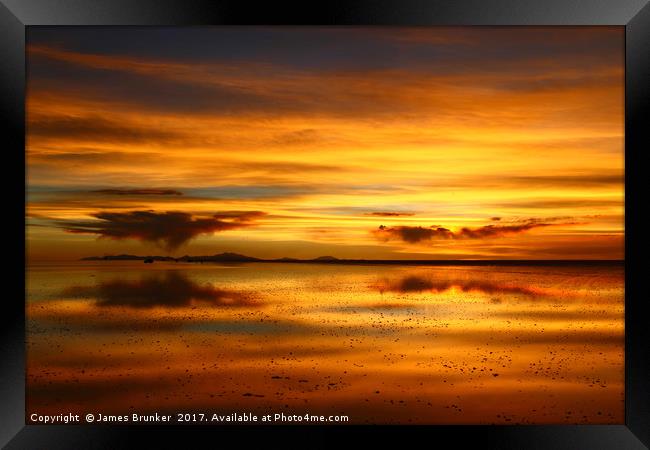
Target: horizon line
<point x="228" y="257"/>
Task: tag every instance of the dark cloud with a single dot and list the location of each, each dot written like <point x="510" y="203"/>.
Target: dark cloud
<point x="91" y="65"/>
<point x="351" y="48"/>
<point x="95" y="129"/>
<point x="550" y="83"/>
<point x="275" y="167"/>
<point x="239" y="216"/>
<point x="300" y="137"/>
<point x="556" y="203"/>
<point x="168" y="229"/>
<point x="413" y="234"/>
<point x="389" y="214"/>
<point x="119" y="84"/>
<point x="489" y="231"/>
<point x="596" y="179"/>
<point x="92" y="156"/>
<point x="138" y="192"/>
<point x="416" y="283"/>
<point x="592" y="180"/>
<point x="495" y="219"/>
<point x="170" y="289"/>
<point x="419" y="234"/>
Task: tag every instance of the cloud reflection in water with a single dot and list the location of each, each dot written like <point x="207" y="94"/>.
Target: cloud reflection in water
<point x="415" y="283"/>
<point x="170" y="289"/>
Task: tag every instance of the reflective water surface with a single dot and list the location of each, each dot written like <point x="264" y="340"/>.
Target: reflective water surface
<point x="381" y="344"/>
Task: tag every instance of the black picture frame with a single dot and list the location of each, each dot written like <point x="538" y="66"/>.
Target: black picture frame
<point x="16" y="15"/>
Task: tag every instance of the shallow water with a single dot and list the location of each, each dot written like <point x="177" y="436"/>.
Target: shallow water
<point x="381" y="344"/>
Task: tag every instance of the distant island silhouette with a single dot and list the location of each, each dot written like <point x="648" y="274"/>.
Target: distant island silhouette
<point x="228" y="257"/>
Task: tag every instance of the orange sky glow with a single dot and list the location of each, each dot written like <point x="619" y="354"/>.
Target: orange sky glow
<point x="375" y="143"/>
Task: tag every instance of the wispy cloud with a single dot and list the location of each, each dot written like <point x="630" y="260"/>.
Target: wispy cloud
<point x="389" y="214"/>
<point x="415" y="234"/>
<point x="95" y="129"/>
<point x="136" y="192"/>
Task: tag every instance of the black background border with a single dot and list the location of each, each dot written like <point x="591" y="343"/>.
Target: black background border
<point x="15" y="15"/>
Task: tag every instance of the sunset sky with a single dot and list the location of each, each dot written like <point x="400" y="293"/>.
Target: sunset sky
<point x="393" y="143"/>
